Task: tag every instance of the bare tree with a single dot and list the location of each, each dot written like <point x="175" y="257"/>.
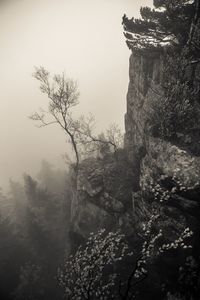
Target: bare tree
<point x="63" y="96"/>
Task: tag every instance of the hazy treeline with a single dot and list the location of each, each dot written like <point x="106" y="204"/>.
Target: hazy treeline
<point x="34" y="223"/>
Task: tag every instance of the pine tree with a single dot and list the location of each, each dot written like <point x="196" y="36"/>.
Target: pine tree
<point x="171" y="21"/>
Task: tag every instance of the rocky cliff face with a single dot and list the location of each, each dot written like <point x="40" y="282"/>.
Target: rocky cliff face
<point x="163" y="169"/>
<point x="145" y="75"/>
<point x="154" y="173"/>
<point x="104" y="196"/>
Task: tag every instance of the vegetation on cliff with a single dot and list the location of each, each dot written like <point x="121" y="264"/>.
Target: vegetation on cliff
<point x="167" y="112"/>
<point x="173" y="31"/>
<point x="170" y="21"/>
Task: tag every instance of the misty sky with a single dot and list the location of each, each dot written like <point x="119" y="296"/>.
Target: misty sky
<point x="85" y="39"/>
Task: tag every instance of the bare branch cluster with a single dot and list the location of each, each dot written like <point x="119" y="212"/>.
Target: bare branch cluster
<point x="63" y="96"/>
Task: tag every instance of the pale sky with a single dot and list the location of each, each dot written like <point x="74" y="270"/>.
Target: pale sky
<point x="83" y="38"/>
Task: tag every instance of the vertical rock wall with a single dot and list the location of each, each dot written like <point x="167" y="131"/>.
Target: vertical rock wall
<point x="145" y="75"/>
<point x="156" y="162"/>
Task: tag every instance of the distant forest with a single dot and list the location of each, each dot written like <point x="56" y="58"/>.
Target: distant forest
<point x="34" y="234"/>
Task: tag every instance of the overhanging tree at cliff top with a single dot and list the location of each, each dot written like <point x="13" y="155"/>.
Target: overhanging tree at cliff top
<point x="172" y="21"/>
<point x="174" y="26"/>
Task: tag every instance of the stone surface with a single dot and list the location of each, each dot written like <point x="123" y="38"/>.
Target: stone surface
<point x="154" y="158"/>
<point x="104" y="198"/>
<point x="145" y="76"/>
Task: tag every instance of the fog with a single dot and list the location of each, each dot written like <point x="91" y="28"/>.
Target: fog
<point x="84" y="39"/>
